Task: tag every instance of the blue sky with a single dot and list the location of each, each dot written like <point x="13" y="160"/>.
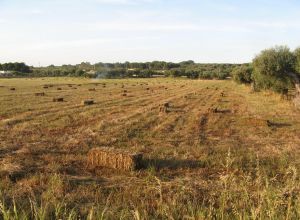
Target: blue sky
<point x="72" y="31"/>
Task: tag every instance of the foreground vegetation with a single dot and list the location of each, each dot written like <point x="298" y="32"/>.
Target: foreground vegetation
<point x="221" y="152"/>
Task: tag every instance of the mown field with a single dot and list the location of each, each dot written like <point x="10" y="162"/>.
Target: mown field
<point x="220" y="152"/>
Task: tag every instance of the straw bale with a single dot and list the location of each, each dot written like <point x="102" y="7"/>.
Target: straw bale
<point x="114" y="158"/>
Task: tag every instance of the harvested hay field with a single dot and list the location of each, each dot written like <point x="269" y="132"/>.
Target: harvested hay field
<point x="212" y="156"/>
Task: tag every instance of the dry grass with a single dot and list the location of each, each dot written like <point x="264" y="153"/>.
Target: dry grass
<point x="189" y="172"/>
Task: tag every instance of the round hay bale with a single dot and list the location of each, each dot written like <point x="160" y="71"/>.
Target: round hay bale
<point x="12" y="89"/>
<point x="59" y="88"/>
<point x="92" y="90"/>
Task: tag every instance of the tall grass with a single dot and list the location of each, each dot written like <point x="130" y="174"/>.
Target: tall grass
<point x="252" y="195"/>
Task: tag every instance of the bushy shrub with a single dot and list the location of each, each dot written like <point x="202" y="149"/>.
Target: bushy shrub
<point x="220" y="75"/>
<point x="243" y="74"/>
<point x="192" y="74"/>
<point x="297" y="64"/>
<point x="272" y="68"/>
<point x="175" y="72"/>
<point x="205" y="75"/>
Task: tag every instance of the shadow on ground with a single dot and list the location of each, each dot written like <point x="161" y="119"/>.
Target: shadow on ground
<point x="172" y="164"/>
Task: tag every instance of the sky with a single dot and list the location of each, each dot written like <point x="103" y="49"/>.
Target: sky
<point x="45" y="32"/>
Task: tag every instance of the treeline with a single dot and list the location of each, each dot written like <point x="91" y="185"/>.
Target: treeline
<point x="15" y="68"/>
<point x="188" y="69"/>
<point x="273" y="69"/>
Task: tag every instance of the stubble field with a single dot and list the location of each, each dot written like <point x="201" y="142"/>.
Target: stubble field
<point x="219" y="152"/>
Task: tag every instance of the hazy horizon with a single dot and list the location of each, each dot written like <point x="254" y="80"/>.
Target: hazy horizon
<point x="70" y="32"/>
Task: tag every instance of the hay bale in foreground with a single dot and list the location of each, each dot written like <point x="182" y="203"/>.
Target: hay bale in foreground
<point x="114" y="158"/>
<point x="58" y="99"/>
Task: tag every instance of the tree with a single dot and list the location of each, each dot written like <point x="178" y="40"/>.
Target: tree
<point x="243" y="74"/>
<point x="272" y="68"/>
<point x="79" y="72"/>
<point x="192" y="74"/>
<point x="297" y="55"/>
<point x="175" y="73"/>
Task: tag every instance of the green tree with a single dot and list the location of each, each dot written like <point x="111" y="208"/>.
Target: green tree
<point x="272" y="68"/>
<point x="297" y="55"/>
<point x="242" y="74"/>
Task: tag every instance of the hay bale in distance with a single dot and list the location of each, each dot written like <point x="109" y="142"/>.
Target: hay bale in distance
<point x="114" y="158"/>
<point x="164" y="108"/>
<point x="12" y="89"/>
<point x="167" y="105"/>
<point x="213" y="110"/>
<point x="58" y="99"/>
<point x="88" y="102"/>
<point x="92" y="90"/>
<point x="59" y="88"/>
<point x="40" y="94"/>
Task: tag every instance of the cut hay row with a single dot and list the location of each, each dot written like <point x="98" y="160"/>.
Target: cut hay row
<point x="114" y="158"/>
